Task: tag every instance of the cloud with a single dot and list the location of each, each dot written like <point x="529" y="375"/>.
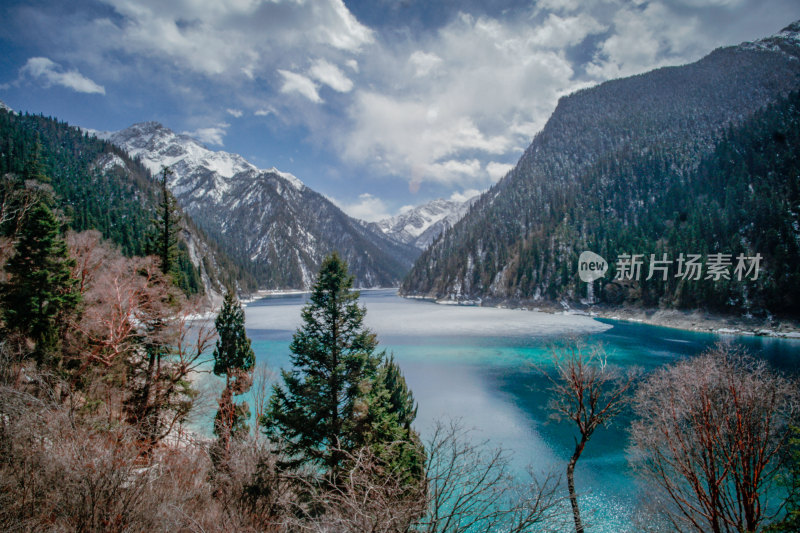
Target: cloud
<point x="237" y="38"/>
<point x="236" y="113"/>
<point x="331" y="76"/>
<point x="368" y="207"/>
<point x="644" y="39"/>
<point x="51" y="73"/>
<point x="560" y="32"/>
<point x="293" y="82"/>
<point x="212" y="135"/>
<point x="263" y="112"/>
<point x="476" y="92"/>
<point x="497" y="170"/>
<point x="423" y="62"/>
<point x="463" y="196"/>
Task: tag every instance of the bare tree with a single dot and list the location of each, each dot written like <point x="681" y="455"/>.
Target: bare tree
<point x="471" y="488"/>
<point x="588" y="393"/>
<point x="710" y="434"/>
<point x="369" y="497"/>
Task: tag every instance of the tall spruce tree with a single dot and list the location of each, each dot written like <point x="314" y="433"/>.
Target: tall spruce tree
<point x="167" y="226"/>
<point x="233" y="358"/>
<point x="335" y="399"/>
<point x="40" y="288"/>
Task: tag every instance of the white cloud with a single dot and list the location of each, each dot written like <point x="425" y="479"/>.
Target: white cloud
<point x="368" y="207"/>
<point x="331" y="76"/>
<point x="560" y="32"/>
<point x="475" y="93"/>
<point x="212" y="135"/>
<point x="236" y="113"/>
<point x="242" y="39"/>
<point x="52" y="73"/>
<point x="293" y="82"/>
<point x="423" y="62"/>
<point x="497" y="170"/>
<point x="454" y="171"/>
<point x="463" y="196"/>
<point x="644" y="39"/>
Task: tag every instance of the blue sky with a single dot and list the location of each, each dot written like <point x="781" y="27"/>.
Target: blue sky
<point x="377" y="104"/>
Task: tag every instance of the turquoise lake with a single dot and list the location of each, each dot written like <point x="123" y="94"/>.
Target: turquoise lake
<point x="479" y="365"/>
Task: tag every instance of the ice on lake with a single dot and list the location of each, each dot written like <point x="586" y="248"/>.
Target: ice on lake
<point x="392" y="316"/>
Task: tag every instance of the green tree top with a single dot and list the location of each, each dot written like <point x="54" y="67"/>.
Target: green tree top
<point x="167" y="226"/>
<point x="233" y="351"/>
<point x="333" y="360"/>
<point x="40" y="286"/>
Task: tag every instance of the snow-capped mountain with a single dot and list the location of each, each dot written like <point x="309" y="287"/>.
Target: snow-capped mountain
<point x="267" y="220"/>
<point x="5" y="107"/>
<point x="421" y="225"/>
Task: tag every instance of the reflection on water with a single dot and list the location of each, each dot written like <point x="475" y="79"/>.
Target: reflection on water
<point x="480" y="365"/>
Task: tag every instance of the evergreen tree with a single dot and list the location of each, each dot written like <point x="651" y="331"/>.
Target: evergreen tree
<point x="34" y="169"/>
<point x="40" y="288"/>
<point x="167" y="226"/>
<point x="385" y="427"/>
<point x="336" y="399"/>
<point x="233" y="358"/>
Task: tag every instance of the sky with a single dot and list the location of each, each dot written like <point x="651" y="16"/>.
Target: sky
<point x="378" y="104"/>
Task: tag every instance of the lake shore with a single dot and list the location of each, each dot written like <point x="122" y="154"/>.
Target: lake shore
<point x="698" y="320"/>
<point x="689" y="320"/>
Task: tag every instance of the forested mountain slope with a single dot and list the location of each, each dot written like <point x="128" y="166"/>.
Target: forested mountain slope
<point x="274" y="226"/>
<point x="678" y="160"/>
<point x="98" y="186"/>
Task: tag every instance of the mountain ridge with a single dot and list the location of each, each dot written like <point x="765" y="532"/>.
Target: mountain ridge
<point x="518" y="242"/>
<point x="267" y="220"/>
<point x="422" y="224"/>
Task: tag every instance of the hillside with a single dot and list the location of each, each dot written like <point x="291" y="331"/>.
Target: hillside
<point x="98" y="186"/>
<point x="274" y="226"/>
<point x="678" y="160"/>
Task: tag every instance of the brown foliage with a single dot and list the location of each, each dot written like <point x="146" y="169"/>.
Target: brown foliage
<point x="710" y="439"/>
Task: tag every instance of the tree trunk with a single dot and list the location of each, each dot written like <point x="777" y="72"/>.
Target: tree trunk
<point x="573" y="497"/>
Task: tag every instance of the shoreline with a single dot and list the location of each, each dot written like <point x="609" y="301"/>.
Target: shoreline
<point x="687" y="320"/>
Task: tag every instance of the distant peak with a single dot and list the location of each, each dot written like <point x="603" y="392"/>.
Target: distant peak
<point x="148" y="125"/>
<point x="4" y="106"/>
<point x="791" y="31"/>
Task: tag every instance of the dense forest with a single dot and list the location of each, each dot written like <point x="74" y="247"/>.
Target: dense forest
<point x="699" y="159"/>
<point x="98" y="186"/>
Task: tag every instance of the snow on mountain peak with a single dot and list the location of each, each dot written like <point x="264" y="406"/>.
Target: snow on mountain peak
<point x="158" y="146"/>
<point x="792" y="31"/>
<point x="291" y="178"/>
<point x="420" y="225"/>
<point x="785" y="41"/>
<point x="4" y="106"/>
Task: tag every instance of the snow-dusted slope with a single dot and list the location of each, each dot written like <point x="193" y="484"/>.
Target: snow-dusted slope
<point x="4" y="107"/>
<point x="421" y="225"/>
<point x="270" y="222"/>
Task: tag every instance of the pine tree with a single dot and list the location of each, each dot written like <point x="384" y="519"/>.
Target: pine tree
<point x="385" y="427"/>
<point x="335" y="399"/>
<point x="40" y="288"/>
<point x="233" y="358"/>
<point x="167" y="226"/>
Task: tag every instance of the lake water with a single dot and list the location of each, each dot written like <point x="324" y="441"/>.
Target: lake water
<point x="479" y="365"/>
